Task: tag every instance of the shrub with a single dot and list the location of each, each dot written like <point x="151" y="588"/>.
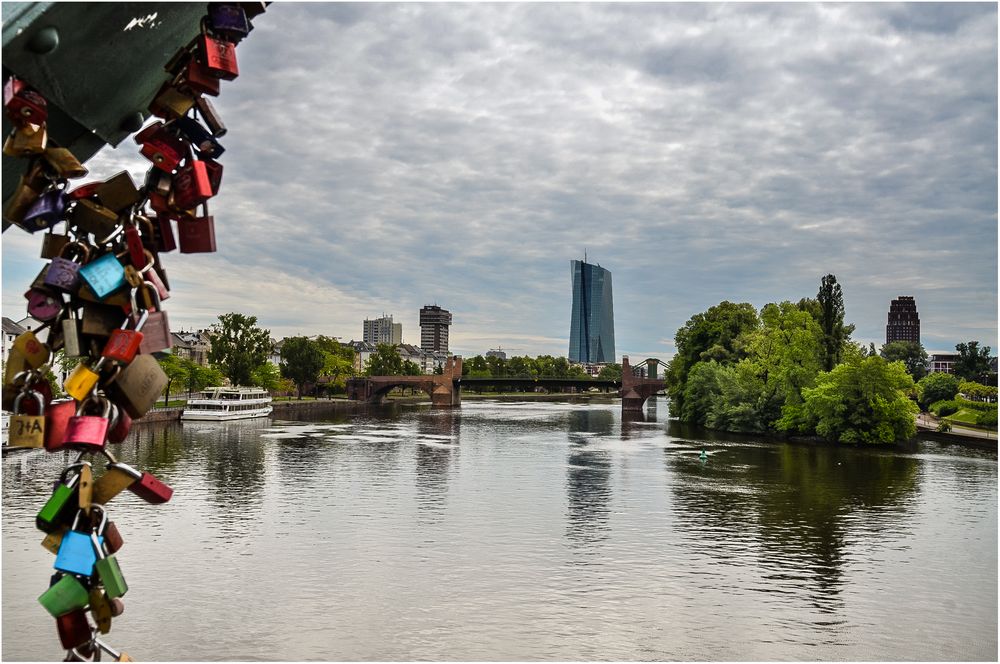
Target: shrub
<point x="944" y="427"/>
<point x="987" y="418"/>
<point x="944" y="408"/>
<point x="976" y="405"/>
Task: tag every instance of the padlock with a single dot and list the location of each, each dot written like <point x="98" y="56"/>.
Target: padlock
<point x="66" y="165"/>
<point x="106" y="529"/>
<point x="16" y="365"/>
<point x="132" y="277"/>
<point x="115" y="480"/>
<point x="85" y="489"/>
<point x="171" y="102"/>
<point x="121" y="424"/>
<point x="100" y="609"/>
<point x="34" y="351"/>
<point x="117" y="299"/>
<point x="25" y="379"/>
<point x="74" y="629"/>
<point x="118" y="192"/>
<point x="26" y="140"/>
<point x="76" y="553"/>
<point x="56" y="419"/>
<point x="17" y="206"/>
<point x="64" y="596"/>
<point x="146" y="485"/>
<point x="119" y="655"/>
<point x="210" y="117"/>
<point x="108" y="570"/>
<point x="138" y="385"/>
<point x="160" y="146"/>
<point x="70" y="325"/>
<point x="22" y="103"/>
<point x="104" y="275"/>
<point x="86" y="191"/>
<point x="198" y="80"/>
<point x="89" y="432"/>
<point x="151" y="276"/>
<point x="201" y="140"/>
<point x="156" y="336"/>
<point x="52" y="540"/>
<point x="191" y="185"/>
<point x="124" y="343"/>
<point x="87" y="652"/>
<point x="214" y="169"/>
<point x="218" y="56"/>
<point x="61" y="506"/>
<point x="63" y="273"/>
<point x="43" y="305"/>
<point x="158" y="182"/>
<point x="165" y="240"/>
<point x="52" y="244"/>
<point x="92" y="217"/>
<point x="27" y="430"/>
<point x="196" y="234"/>
<point x="80" y="383"/>
<point x="46" y="211"/>
<point x="133" y="243"/>
<point x="100" y="320"/>
<point x="228" y="20"/>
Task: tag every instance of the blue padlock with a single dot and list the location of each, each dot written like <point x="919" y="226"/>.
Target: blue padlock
<point x="76" y="552"/>
<point x="104" y="275"/>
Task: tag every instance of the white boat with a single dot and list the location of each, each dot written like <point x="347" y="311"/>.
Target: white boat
<point x="228" y="403"/>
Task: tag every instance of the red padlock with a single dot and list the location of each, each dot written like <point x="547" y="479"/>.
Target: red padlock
<point x="218" y="56"/>
<point x="133" y="241"/>
<point x="214" y="175"/>
<point x="23" y="104"/>
<point x="164" y="233"/>
<point x="197" y="234"/>
<point x="57" y="416"/>
<point x="124" y="343"/>
<point x="149" y="488"/>
<point x="192" y="185"/>
<point x="74" y="629"/>
<point x="197" y="78"/>
<point x="160" y="146"/>
<point x="88" y="191"/>
<point x="88" y="432"/>
<point x="122" y="424"/>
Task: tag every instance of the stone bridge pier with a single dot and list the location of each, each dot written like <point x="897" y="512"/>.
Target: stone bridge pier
<point x="635" y="391"/>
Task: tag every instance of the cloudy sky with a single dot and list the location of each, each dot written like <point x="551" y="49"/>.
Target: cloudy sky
<point x="383" y="157"/>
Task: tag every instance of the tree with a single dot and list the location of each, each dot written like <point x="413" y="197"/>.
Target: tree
<point x="385" y="361"/>
<point x="338" y="362"/>
<point x="711" y="335"/>
<point x="411" y="368"/>
<point x="910" y="353"/>
<point x="238" y="346"/>
<point x="831" y="320"/>
<point x="302" y="360"/>
<point x="977" y="391"/>
<point x="938" y="386"/>
<point x="610" y="372"/>
<point x="859" y="401"/>
<point x="177" y="372"/>
<point x="268" y="377"/>
<point x="703" y="390"/>
<point x="973" y="362"/>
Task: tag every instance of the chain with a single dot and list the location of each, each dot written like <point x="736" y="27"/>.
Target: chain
<point x="100" y="295"/>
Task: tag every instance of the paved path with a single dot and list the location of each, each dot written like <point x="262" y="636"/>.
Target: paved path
<point x="928" y="421"/>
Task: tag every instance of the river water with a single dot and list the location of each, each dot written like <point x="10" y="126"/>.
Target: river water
<point x="527" y="531"/>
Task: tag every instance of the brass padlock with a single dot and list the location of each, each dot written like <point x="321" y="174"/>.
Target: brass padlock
<point x="65" y="163"/>
<point x="170" y="102"/>
<point x="118" y="192"/>
<point x="138" y="385"/>
<point x="26" y="140"/>
<point x="94" y="218"/>
<point x="27" y="430"/>
<point x="53" y="244"/>
<point x="54" y="539"/>
<point x="101" y="320"/>
<point x="22" y="199"/>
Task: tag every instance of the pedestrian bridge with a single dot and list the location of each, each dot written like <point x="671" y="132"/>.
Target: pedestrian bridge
<point x="446" y="389"/>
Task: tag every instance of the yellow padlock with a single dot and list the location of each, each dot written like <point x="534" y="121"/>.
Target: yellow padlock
<point x="35" y="352"/>
<point x="100" y="609"/>
<point x="65" y="164"/>
<point x="53" y="540"/>
<point x="82" y="380"/>
<point x="16" y="363"/>
<point x="110" y="484"/>
<point x="85" y="489"/>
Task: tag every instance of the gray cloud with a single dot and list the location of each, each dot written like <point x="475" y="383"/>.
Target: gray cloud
<point x="382" y="157"/>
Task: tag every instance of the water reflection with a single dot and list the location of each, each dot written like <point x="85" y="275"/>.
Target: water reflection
<point x="588" y="479"/>
<point x="798" y="503"/>
<point x="235" y="463"/>
<point x="436" y="442"/>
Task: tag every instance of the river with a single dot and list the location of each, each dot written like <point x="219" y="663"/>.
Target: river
<point x="527" y="531"/>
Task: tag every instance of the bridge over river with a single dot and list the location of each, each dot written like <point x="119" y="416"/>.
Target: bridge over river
<point x="445" y="389"/>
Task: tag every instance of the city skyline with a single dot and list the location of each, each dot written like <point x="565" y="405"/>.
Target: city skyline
<point x="708" y="152"/>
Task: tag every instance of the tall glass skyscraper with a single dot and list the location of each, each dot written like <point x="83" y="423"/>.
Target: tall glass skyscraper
<point x="592" y="328"/>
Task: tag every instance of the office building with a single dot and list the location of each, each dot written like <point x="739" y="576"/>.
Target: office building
<point x="592" y="327"/>
<point x="904" y="323"/>
<point x="434" y="322"/>
<point x="383" y="331"/>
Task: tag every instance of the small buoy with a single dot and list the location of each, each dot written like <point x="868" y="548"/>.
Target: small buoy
<point x="703" y="456"/>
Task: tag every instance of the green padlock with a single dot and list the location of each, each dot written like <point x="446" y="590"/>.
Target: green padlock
<point x="62" y="505"/>
<point x="65" y="596"/>
<point x="108" y="570"/>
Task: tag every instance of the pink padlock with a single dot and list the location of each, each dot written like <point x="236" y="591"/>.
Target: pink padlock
<point x="88" y="432"/>
<point x="42" y="305"/>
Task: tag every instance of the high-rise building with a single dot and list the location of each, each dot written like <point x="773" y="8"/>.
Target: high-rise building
<point x="434" y="322"/>
<point x="592" y="327"/>
<point x="383" y="331"/>
<point x="904" y="323"/>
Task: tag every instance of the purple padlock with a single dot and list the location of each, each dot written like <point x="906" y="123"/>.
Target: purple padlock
<point x="228" y="20"/>
<point x="42" y="305"/>
<point x="64" y="274"/>
<point x="46" y="211"/>
<point x="88" y="432"/>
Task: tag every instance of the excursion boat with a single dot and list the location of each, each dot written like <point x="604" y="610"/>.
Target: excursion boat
<point x="228" y="403"/>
